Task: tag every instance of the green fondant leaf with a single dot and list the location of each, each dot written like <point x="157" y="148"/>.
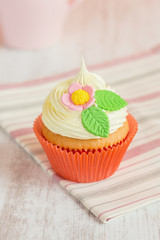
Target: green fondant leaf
<point x="95" y="121"/>
<point x="109" y="100"/>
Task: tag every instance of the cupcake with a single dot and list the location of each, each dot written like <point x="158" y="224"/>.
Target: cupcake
<point x="85" y="128"/>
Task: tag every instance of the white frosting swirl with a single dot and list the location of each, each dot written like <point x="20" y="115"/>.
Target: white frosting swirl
<point x="59" y="119"/>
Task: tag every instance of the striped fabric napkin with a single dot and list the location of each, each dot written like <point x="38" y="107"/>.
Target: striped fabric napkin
<point x="137" y="181"/>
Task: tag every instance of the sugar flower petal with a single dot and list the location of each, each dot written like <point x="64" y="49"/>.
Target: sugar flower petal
<point x="89" y="89"/>
<point x="75" y="107"/>
<point x="66" y="99"/>
<point x="73" y="87"/>
<point x="89" y="103"/>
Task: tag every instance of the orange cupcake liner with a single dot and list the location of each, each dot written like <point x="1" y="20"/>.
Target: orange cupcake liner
<point x="85" y="166"/>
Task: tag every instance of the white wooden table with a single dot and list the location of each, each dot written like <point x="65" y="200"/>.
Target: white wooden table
<point x="32" y="204"/>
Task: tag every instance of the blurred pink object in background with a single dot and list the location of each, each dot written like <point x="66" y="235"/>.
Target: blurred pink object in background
<point x="33" y="24"/>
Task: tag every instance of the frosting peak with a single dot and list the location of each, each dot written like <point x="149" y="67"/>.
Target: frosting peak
<point x="84" y="77"/>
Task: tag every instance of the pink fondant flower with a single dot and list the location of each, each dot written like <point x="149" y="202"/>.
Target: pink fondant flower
<point x="78" y="97"/>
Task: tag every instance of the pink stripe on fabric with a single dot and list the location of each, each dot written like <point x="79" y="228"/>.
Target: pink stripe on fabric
<point x="50" y="168"/>
<point x="108" y="219"/>
<point x="124" y="205"/>
<point x="16" y="123"/>
<point x="144" y="54"/>
<point x="147" y="53"/>
<point x="37" y="81"/>
<point x="58" y="178"/>
<point x="148" y="136"/>
<point x="68" y="184"/>
<point x="21" y="132"/>
<point x="27" y="139"/>
<point x="144" y="98"/>
<point x="138" y="162"/>
<point x="142" y="149"/>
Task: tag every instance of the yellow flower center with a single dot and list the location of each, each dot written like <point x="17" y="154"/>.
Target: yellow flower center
<point x="80" y="97"/>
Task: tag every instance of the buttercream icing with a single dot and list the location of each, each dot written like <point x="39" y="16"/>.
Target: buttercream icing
<point x="59" y="119"/>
